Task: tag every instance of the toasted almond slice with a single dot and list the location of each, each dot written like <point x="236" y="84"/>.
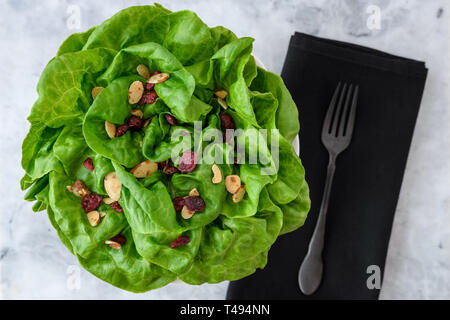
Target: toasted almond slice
<point x="239" y="195"/>
<point x="147" y="122"/>
<point x="194" y="193"/>
<point x="94" y="218"/>
<point x="113" y="244"/>
<point x="144" y="169"/>
<point x="79" y="189"/>
<point x="217" y="178"/>
<point x="222" y="103"/>
<point x="186" y="213"/>
<point x="135" y="92"/>
<point x="143" y="71"/>
<point x="110" y="129"/>
<point x="108" y="200"/>
<point x="102" y="214"/>
<point x="232" y="183"/>
<point x="222" y="94"/>
<point x="96" y="91"/>
<point x="113" y="186"/>
<point x="138" y="113"/>
<point x="158" y="78"/>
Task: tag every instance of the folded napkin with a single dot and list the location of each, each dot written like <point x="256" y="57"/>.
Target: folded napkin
<point x="368" y="174"/>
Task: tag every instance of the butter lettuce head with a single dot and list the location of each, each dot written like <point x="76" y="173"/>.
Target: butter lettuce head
<point x="228" y="240"/>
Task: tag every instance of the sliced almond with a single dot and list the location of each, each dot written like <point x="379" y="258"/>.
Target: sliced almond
<point x="217" y="178"/>
<point x="94" y="218"/>
<point x="110" y="129"/>
<point x="158" y="78"/>
<point x="194" y="193"/>
<point x="239" y="195"/>
<point x="138" y="113"/>
<point x="144" y="169"/>
<point x="113" y="186"/>
<point x="143" y="71"/>
<point x="222" y="94"/>
<point x="102" y="214"/>
<point x="186" y="213"/>
<point x="222" y="103"/>
<point x="135" y="92"/>
<point x="113" y="244"/>
<point x="147" y="122"/>
<point x="232" y="183"/>
<point x="108" y="200"/>
<point x="79" y="189"/>
<point x="96" y="91"/>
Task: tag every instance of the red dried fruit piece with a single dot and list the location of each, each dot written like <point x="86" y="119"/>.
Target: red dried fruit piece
<point x="226" y="121"/>
<point x="194" y="203"/>
<point x="178" y="203"/>
<point x="180" y="241"/>
<point x="135" y="122"/>
<point x="188" y="161"/>
<point x="91" y="202"/>
<point x="171" y="170"/>
<point x="162" y="165"/>
<point x="121" y="130"/>
<point x="149" y="97"/>
<point x="116" y="206"/>
<point x="171" y="119"/>
<point x="88" y="164"/>
<point x="119" y="239"/>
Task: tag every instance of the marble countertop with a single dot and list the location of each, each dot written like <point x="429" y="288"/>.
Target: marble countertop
<point x="34" y="263"/>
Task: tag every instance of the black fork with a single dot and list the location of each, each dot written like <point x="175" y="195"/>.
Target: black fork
<point x="336" y="136"/>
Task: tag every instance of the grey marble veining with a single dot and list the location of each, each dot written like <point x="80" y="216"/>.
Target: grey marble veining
<point x="33" y="262"/>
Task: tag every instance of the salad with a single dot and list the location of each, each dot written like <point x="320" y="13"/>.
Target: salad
<point x="142" y="151"/>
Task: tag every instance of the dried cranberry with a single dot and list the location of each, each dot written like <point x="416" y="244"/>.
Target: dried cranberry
<point x="227" y="124"/>
<point x="195" y="203"/>
<point x="135" y="122"/>
<point x="88" y="164"/>
<point x="188" y="161"/>
<point x="121" y="130"/>
<point x="171" y="119"/>
<point x="149" y="86"/>
<point x="178" y="203"/>
<point x="148" y="97"/>
<point x="91" y="202"/>
<point x="163" y="164"/>
<point x="226" y="121"/>
<point x="116" y="206"/>
<point x="171" y="170"/>
<point x="119" y="239"/>
<point x="180" y="241"/>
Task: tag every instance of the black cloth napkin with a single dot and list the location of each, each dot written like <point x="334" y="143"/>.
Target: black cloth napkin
<point x="368" y="174"/>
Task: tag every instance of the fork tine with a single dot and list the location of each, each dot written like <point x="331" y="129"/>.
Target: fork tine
<point x="330" y="112"/>
<point x="351" y="118"/>
<point x="344" y="114"/>
<point x="335" y="124"/>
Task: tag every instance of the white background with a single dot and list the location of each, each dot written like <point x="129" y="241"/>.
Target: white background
<point x="33" y="262"/>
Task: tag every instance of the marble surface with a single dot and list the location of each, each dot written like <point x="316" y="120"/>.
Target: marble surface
<point x="33" y="262"/>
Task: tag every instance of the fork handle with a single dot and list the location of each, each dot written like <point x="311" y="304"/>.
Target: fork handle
<point x="310" y="273"/>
